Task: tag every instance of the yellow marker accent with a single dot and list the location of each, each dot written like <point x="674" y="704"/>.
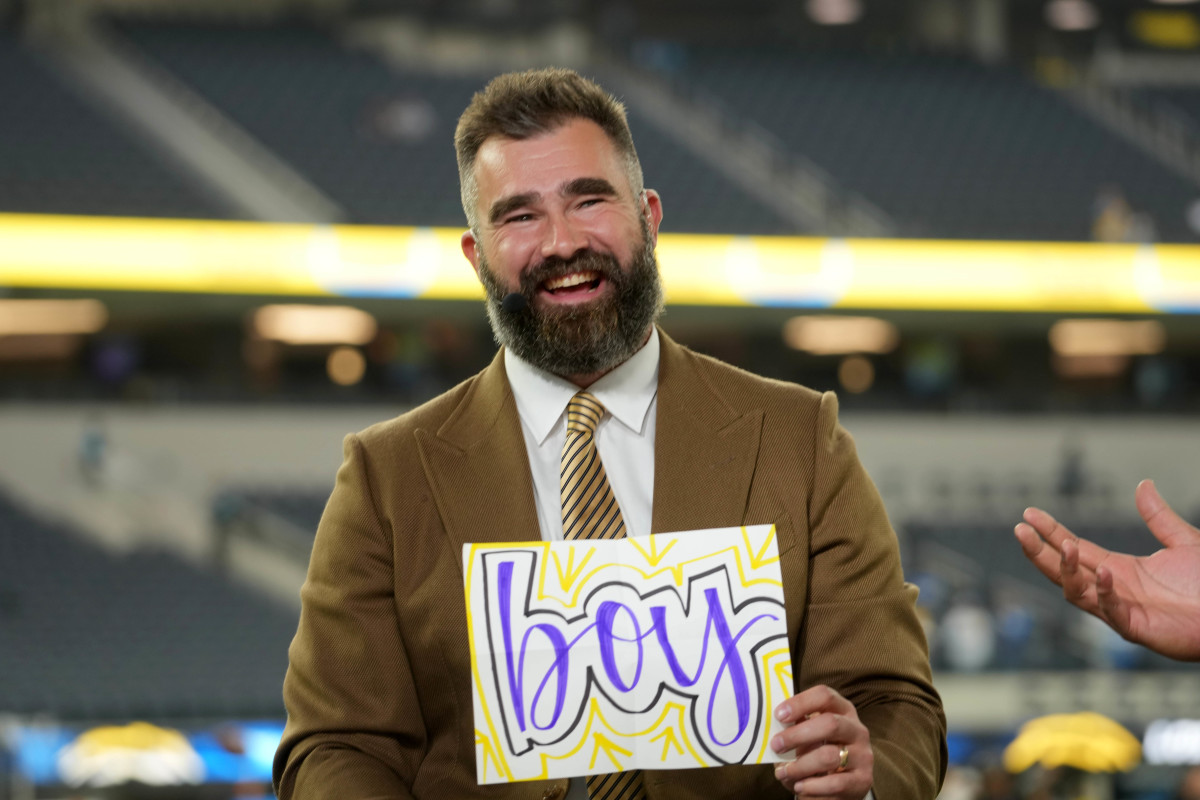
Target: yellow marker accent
<point x="779" y="669"/>
<point x="653" y="557"/>
<point x="603" y="741"/>
<point x="669" y="742"/>
<point x="572" y="572"/>
<point x="757" y="560"/>
<point x="489" y="752"/>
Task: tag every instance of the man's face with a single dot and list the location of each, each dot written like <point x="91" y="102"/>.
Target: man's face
<point x="559" y="223"/>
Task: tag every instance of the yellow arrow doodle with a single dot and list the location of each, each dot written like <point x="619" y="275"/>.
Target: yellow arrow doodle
<point x="489" y="753"/>
<point x="653" y="557"/>
<point x="572" y="572"/>
<point x="671" y="741"/>
<point x="758" y="560"/>
<point x="603" y="742"/>
<point x="783" y="673"/>
<point x="596" y="718"/>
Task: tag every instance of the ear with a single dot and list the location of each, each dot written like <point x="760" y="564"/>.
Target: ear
<point x="470" y="249"/>
<point x="653" y="211"/>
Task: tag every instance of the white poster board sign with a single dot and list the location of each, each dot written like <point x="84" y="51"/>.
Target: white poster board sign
<point x="659" y="652"/>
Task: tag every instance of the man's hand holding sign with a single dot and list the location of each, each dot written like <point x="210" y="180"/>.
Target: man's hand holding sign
<point x="832" y="748"/>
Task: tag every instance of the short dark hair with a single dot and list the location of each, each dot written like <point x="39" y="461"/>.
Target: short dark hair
<point x="520" y="105"/>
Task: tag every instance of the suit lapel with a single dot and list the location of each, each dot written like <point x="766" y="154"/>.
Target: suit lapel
<point x="704" y="451"/>
<point x="478" y="468"/>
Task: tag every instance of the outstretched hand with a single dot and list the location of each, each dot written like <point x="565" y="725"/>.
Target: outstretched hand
<point x="1152" y="600"/>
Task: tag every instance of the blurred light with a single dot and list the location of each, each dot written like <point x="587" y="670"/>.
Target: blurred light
<point x="1174" y="2"/>
<point x="345" y="366"/>
<point x="856" y="374"/>
<point x="41" y="317"/>
<point x="1079" y="367"/>
<point x="49" y="347"/>
<point x="833" y="335"/>
<point x="302" y="324"/>
<point x="1167" y="29"/>
<point x="1072" y="15"/>
<point x="1172" y="741"/>
<point x="1107" y="337"/>
<point x="834" y="12"/>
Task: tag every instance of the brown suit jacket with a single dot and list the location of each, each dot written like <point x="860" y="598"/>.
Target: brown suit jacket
<point x="378" y="691"/>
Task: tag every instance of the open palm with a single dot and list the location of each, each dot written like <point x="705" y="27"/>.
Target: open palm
<point x="1153" y="600"/>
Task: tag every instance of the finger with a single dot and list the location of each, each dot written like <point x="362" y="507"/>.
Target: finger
<point x="1046" y="526"/>
<point x="1046" y="558"/>
<point x="1055" y="533"/>
<point x="820" y="760"/>
<point x="1111" y="607"/>
<point x="1077" y="583"/>
<point x="838" y="784"/>
<point x="807" y="736"/>
<point x="1167" y="526"/>
<point x="814" y="700"/>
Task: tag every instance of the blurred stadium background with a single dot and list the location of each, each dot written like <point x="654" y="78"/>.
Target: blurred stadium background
<point x="228" y="236"/>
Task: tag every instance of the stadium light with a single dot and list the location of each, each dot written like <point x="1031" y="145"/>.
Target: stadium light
<point x="345" y="366"/>
<point x="835" y="335"/>
<point x="856" y="374"/>
<point x="1072" y="15"/>
<point x="307" y="324"/>
<point x="835" y="12"/>
<point x="1107" y="337"/>
<point x="51" y="317"/>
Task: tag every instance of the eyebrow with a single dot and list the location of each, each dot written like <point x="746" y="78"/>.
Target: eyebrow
<point x="588" y="186"/>
<point x="575" y="188"/>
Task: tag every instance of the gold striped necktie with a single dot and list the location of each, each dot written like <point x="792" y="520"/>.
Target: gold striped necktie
<point x="590" y="511"/>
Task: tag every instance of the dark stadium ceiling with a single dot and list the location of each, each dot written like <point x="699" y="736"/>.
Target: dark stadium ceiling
<point x="725" y="19"/>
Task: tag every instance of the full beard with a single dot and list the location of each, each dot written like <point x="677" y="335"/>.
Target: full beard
<point x="581" y="339"/>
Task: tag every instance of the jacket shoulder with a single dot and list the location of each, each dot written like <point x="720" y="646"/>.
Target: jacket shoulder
<point x="743" y="390"/>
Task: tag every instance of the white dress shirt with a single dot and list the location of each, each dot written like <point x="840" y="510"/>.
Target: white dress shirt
<point x="624" y="437"/>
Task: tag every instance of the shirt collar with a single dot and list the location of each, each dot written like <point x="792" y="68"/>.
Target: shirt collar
<point x="626" y="392"/>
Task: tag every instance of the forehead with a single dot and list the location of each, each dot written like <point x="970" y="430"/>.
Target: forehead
<point x="542" y="164"/>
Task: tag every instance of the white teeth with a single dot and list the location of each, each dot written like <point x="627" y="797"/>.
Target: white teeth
<point x="574" y="279"/>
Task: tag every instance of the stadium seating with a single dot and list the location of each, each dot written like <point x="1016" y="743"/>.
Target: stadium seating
<point x="378" y="140"/>
<point x="946" y="146"/>
<point x="60" y="154"/>
<point x="377" y="143"/>
<point x="86" y="634"/>
<point x="1181" y="101"/>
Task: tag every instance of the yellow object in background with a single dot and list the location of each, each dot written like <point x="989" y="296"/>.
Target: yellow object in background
<point x="1176" y="30"/>
<point x="1087" y="741"/>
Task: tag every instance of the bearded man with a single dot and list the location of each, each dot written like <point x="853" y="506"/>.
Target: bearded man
<point x="562" y="236"/>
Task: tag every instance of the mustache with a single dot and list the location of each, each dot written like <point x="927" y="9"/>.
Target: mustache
<point x="606" y="266"/>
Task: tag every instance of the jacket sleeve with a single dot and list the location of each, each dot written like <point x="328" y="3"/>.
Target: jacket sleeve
<point x="354" y="728"/>
<point x="861" y="634"/>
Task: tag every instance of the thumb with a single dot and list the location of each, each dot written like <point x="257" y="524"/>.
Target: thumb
<point x="1167" y="526"/>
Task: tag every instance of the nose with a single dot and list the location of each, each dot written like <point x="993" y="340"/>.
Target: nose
<point x="563" y="238"/>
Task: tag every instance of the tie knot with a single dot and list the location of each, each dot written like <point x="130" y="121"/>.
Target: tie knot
<point x="583" y="414"/>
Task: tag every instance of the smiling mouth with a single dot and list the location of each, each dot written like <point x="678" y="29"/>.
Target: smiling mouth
<point x="573" y="283"/>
